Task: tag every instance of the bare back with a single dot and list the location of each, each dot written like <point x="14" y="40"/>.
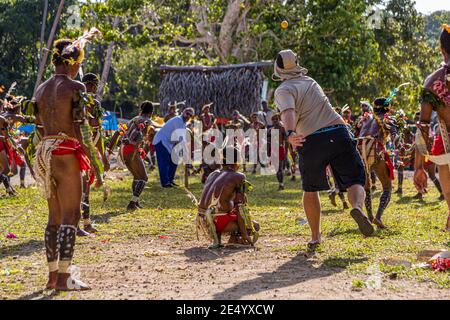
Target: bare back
<point x="220" y="190"/>
<point x="55" y="100"/>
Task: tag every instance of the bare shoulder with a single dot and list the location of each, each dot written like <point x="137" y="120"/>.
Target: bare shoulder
<point x="239" y="176"/>
<point x="76" y="85"/>
<point x="439" y="73"/>
<point x="212" y="176"/>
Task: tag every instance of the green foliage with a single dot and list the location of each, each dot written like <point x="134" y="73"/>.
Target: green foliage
<point x="350" y="58"/>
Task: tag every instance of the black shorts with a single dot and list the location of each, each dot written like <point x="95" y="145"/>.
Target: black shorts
<point x="337" y="149"/>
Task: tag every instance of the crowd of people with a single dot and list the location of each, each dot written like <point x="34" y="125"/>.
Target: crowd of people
<point x="330" y="148"/>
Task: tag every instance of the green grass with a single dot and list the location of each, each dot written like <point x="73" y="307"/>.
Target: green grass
<point x="412" y="226"/>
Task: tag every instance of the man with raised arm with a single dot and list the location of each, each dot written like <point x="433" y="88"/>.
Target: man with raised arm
<point x="322" y="139"/>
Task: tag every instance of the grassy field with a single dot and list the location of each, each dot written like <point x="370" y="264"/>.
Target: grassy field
<point x="412" y="226"/>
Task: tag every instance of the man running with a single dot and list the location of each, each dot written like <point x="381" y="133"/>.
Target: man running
<point x="133" y="153"/>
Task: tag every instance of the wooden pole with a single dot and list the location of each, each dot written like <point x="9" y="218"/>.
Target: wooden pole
<point x="107" y="66"/>
<point x="49" y="44"/>
<point x="186" y="176"/>
<point x="44" y="23"/>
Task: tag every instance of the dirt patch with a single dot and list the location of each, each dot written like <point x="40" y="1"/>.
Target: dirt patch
<point x="155" y="268"/>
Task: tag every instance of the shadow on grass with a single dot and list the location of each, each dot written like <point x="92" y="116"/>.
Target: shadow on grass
<point x="106" y="216"/>
<point x="379" y="233"/>
<point x="202" y="254"/>
<point x="410" y="200"/>
<point x="294" y="271"/>
<point x="22" y="249"/>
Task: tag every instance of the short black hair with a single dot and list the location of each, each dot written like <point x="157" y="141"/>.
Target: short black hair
<point x="146" y="107"/>
<point x="445" y="41"/>
<point x="381" y="105"/>
<point x="90" y="78"/>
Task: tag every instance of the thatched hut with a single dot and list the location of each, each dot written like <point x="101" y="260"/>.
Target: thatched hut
<point x="228" y="87"/>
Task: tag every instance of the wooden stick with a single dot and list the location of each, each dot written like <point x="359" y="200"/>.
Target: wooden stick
<point x="49" y="44"/>
<point x="107" y="66"/>
<point x="44" y="22"/>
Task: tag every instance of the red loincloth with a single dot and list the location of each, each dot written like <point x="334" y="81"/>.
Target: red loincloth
<point x="222" y="221"/>
<point x="4" y="146"/>
<point x="129" y="149"/>
<point x="438" y="146"/>
<point x="282" y="153"/>
<point x="17" y="158"/>
<point x="73" y="147"/>
<point x="389" y="165"/>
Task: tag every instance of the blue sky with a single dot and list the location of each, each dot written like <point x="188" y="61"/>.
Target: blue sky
<point x="428" y="6"/>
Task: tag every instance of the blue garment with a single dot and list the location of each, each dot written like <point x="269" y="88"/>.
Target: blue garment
<point x="165" y="133"/>
<point x="166" y="167"/>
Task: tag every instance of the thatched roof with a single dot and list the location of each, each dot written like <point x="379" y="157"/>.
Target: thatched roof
<point x="228" y="87"/>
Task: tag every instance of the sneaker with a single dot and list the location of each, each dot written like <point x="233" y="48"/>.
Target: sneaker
<point x="363" y="222"/>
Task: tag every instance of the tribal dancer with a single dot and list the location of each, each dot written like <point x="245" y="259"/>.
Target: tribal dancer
<point x="11" y="151"/>
<point x="282" y="148"/>
<point x="372" y="141"/>
<point x="61" y="159"/>
<point x="173" y="111"/>
<point x="256" y="125"/>
<point x="133" y="153"/>
<point x="208" y="122"/>
<point x="222" y="207"/>
<point x="436" y="96"/>
<point x="94" y="113"/>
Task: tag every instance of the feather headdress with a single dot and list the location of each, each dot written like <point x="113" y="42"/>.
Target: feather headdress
<point x="74" y="52"/>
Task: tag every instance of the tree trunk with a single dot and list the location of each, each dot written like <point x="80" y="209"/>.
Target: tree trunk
<point x="49" y="44"/>
<point x="228" y="27"/>
<point x="107" y="65"/>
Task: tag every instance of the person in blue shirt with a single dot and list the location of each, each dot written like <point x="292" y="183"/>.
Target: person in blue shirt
<point x="164" y="146"/>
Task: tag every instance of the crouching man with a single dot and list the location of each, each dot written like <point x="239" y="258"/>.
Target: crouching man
<point x="223" y="204"/>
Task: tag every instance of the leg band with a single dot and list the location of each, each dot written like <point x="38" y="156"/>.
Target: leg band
<point x="66" y="239"/>
<point x="400" y="179"/>
<point x="384" y="201"/>
<point x="138" y="187"/>
<point x="368" y="203"/>
<point x="437" y="184"/>
<point x="85" y="207"/>
<point x="51" y="244"/>
<point x="22" y="172"/>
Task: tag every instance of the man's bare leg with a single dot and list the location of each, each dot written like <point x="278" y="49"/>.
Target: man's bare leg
<point x="86" y="210"/>
<point x="4" y="170"/>
<point x="444" y="176"/>
<point x="386" y="182"/>
<point x="356" y="197"/>
<point x="51" y="239"/>
<point x="140" y="178"/>
<point x="66" y="173"/>
<point x="311" y="203"/>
